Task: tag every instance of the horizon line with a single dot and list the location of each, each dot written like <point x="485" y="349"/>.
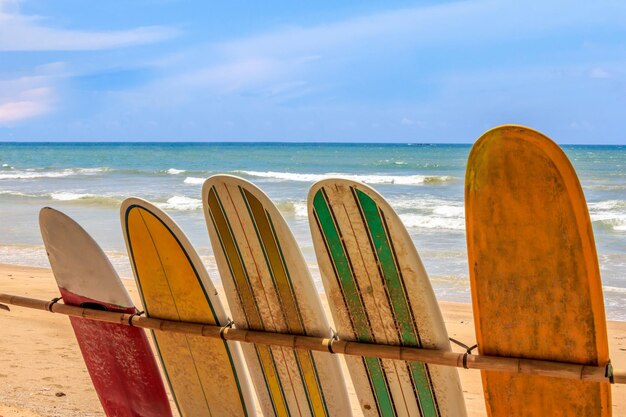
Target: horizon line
<point x="242" y="142"/>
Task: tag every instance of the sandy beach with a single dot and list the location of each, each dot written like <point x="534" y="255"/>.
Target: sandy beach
<point x="43" y="374"/>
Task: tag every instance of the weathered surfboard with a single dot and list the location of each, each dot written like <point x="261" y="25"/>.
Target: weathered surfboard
<point x="207" y="377"/>
<point x="379" y="292"/>
<point x="119" y="359"/>
<point x="534" y="273"/>
<point x="269" y="287"/>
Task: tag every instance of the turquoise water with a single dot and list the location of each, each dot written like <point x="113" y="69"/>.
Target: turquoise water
<point x="424" y="183"/>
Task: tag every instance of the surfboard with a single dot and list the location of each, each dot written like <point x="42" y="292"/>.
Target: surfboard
<point x="379" y="292"/>
<point x="119" y="359"/>
<point x="269" y="287"/>
<point x="534" y="273"/>
<point x="207" y="377"/>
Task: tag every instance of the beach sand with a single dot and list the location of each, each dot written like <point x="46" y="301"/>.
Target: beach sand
<point x="42" y="373"/>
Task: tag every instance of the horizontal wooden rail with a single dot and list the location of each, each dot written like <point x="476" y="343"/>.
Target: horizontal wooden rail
<point x="430" y="356"/>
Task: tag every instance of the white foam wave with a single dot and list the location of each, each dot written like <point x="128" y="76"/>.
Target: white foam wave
<point x="619" y="290"/>
<point x="368" y="179"/>
<point x="607" y="205"/>
<point x="174" y="171"/>
<point x="194" y="180"/>
<point x="29" y="174"/>
<point x="68" y="196"/>
<point x="17" y="194"/>
<point x="415" y="202"/>
<point x="294" y="208"/>
<point x="90" y="171"/>
<point x="412" y="220"/>
<point x="449" y="211"/>
<point x="84" y="198"/>
<point x="300" y="209"/>
<point x="611" y="220"/>
<point x="181" y="203"/>
<point x="92" y="199"/>
<point x="610" y="214"/>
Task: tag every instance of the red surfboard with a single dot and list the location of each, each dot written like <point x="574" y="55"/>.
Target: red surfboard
<point x="119" y="359"/>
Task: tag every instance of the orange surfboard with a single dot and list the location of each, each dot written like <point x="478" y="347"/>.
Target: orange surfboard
<point x="534" y="273"/>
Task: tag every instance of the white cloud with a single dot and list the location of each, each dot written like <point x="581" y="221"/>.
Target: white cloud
<point x="31" y="33"/>
<point x="30" y="96"/>
<point x="16" y="111"/>
<point x="25" y="105"/>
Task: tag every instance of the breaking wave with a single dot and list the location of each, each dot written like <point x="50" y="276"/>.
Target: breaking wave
<point x="35" y="173"/>
<point x="181" y="203"/>
<point x="367" y="179"/>
<point x="194" y="180"/>
<point x="609" y="214"/>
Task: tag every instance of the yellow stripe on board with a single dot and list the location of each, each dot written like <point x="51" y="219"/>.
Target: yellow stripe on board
<point x="274" y="257"/>
<point x="246" y="298"/>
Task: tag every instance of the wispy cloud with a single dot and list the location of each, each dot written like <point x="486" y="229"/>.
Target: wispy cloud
<point x="303" y="57"/>
<point x="28" y="100"/>
<point x="459" y="22"/>
<point x="32" y="33"/>
<point x="441" y="69"/>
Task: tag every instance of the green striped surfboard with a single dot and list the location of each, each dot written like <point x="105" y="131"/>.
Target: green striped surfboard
<point x="268" y="287"/>
<point x="379" y="292"/>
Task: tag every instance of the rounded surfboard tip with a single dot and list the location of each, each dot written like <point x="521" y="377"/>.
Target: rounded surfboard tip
<point x="512" y="132"/>
<point x="367" y="189"/>
<point x="249" y="233"/>
<point x="174" y="284"/>
<point x="226" y="179"/>
<point x="360" y="242"/>
<point x="533" y="271"/>
<point x="76" y="258"/>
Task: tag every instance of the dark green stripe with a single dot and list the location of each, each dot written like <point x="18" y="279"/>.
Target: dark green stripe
<point x="356" y="309"/>
<point x="400" y="305"/>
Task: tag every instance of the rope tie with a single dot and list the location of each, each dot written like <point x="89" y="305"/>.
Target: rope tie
<point x="137" y="313"/>
<point x="609" y="372"/>
<point x="468" y="350"/>
<point x="228" y="325"/>
<point x="329" y="342"/>
<point x="52" y="303"/>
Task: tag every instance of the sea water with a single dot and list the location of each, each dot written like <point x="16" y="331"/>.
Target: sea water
<point x="423" y="183"/>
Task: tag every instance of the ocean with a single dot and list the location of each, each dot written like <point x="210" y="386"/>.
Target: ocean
<point x="424" y="184"/>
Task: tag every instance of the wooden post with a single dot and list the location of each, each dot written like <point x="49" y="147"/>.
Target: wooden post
<point x="430" y="356"/>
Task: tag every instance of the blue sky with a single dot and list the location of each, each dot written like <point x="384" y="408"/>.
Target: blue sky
<point x="395" y="71"/>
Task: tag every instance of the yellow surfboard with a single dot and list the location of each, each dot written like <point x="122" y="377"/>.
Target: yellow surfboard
<point x="207" y="377"/>
<point x="534" y="273"/>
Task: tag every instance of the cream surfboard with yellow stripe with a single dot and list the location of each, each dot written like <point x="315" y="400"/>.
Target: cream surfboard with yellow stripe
<point x="269" y="287"/>
<point x="207" y="377"/>
<point x="379" y="292"/>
